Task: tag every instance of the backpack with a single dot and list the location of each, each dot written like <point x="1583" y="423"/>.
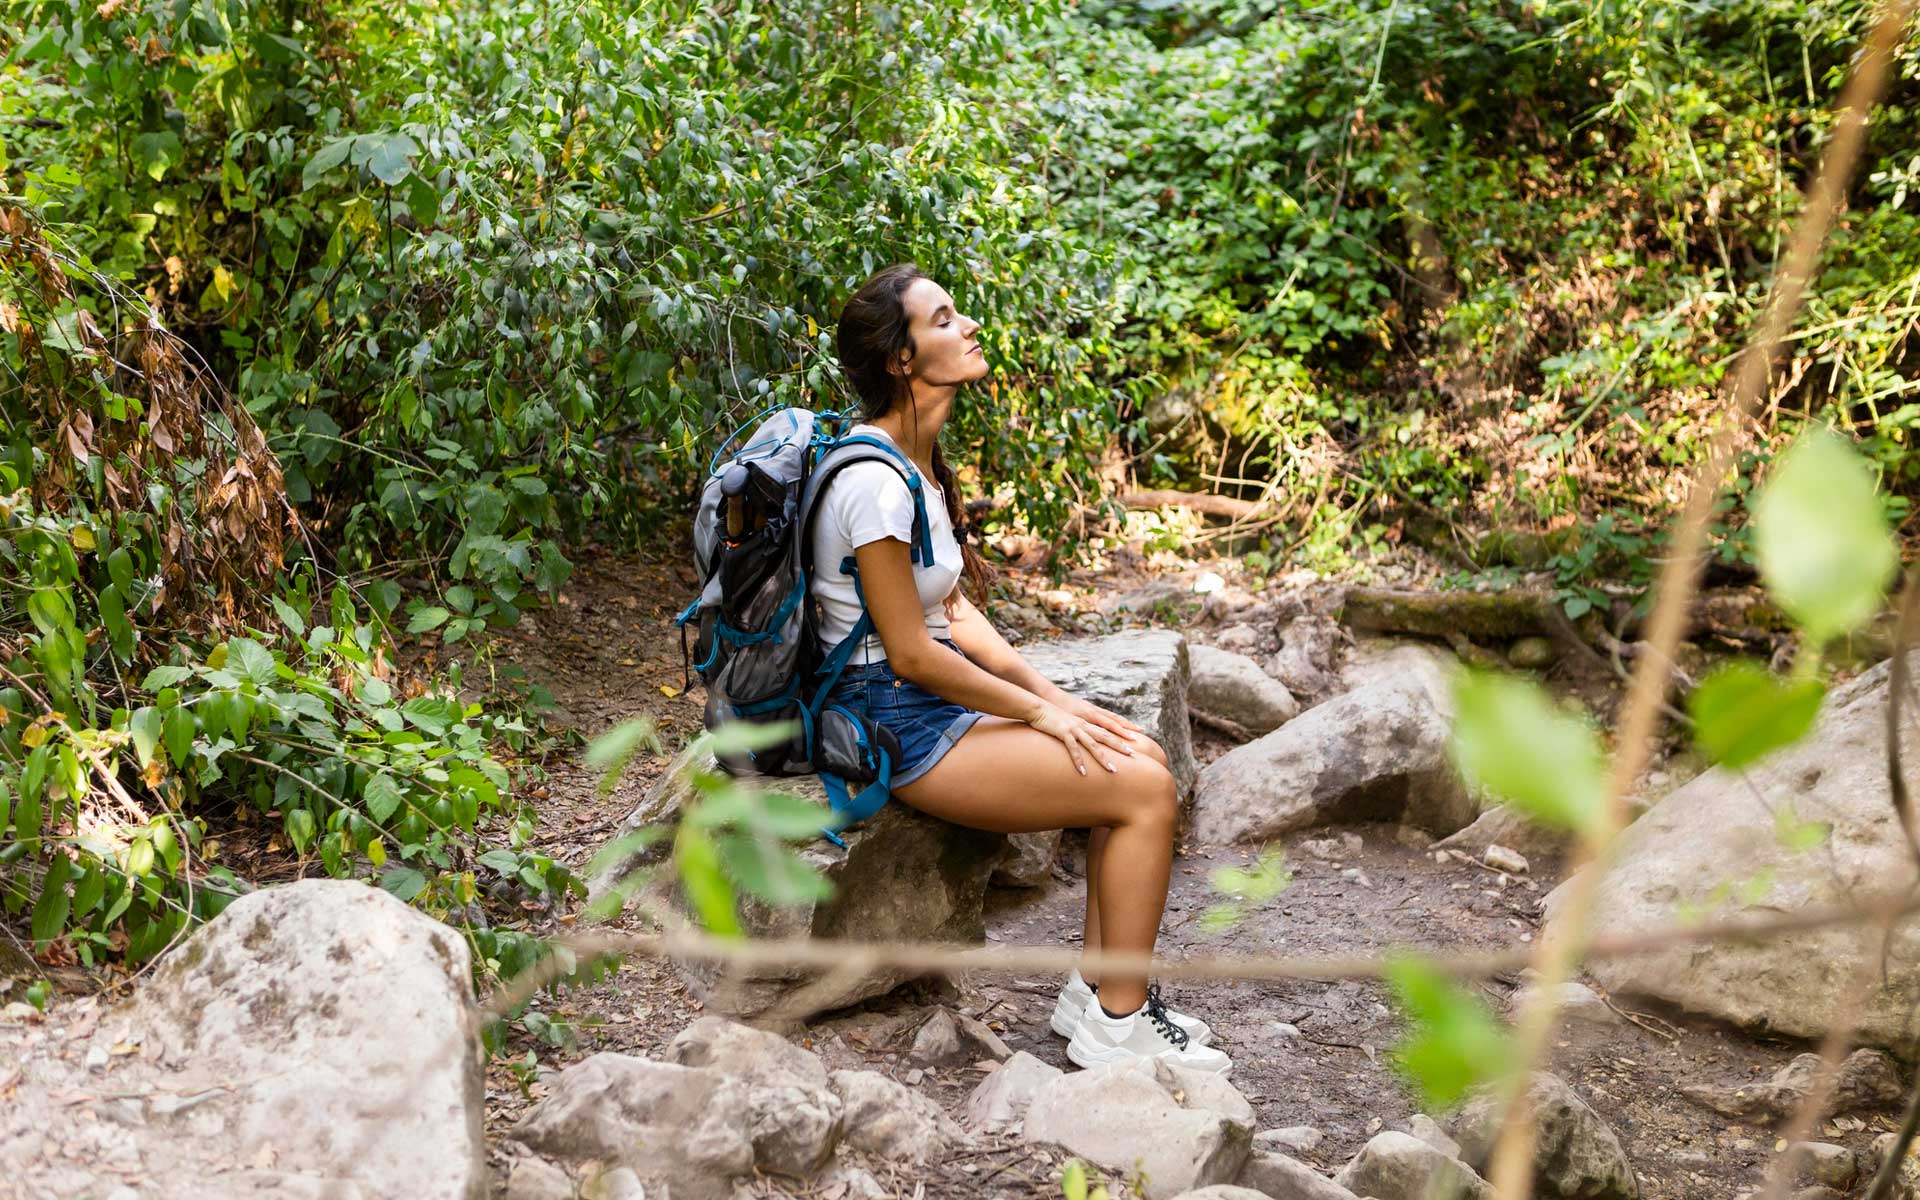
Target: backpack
<point x="757" y="641"/>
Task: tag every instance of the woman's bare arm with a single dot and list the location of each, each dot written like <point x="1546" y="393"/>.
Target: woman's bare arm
<point x="973" y="633"/>
<point x="886" y="581"/>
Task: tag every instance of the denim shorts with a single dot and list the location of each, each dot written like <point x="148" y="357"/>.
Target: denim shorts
<point x="926" y="725"/>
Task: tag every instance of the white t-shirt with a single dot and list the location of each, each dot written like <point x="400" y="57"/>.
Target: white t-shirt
<point x="866" y="502"/>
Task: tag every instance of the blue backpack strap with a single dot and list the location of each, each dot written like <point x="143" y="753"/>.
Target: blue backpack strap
<point x="921" y="539"/>
<point x="851" y="809"/>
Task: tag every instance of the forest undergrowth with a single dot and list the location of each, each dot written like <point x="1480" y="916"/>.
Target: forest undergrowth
<point x="326" y="325"/>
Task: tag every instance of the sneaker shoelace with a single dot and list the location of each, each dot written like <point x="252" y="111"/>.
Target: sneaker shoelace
<point x="1157" y="1013"/>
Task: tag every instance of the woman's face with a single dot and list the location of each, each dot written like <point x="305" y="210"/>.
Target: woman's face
<point x="947" y="345"/>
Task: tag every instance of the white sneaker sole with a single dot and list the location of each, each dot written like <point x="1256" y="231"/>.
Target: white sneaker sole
<point x="1083" y="1055"/>
<point x="1066" y="1018"/>
<point x="1066" y="1022"/>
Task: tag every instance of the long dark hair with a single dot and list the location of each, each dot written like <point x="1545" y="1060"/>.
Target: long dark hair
<point x="872" y="333"/>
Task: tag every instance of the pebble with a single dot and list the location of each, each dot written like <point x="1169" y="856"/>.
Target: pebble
<point x="1284" y="1030"/>
<point x="1294" y="1139"/>
<point x="912" y="1078"/>
<point x="1500" y="858"/>
<point x="96" y="1059"/>
<point x="1356" y="875"/>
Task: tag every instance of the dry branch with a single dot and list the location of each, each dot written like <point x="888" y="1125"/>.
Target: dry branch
<point x="1512" y="1167"/>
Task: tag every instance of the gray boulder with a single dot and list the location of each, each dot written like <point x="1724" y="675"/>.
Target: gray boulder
<point x="1223" y="1191"/>
<point x="1308" y="659"/>
<point x="891" y="1121"/>
<point x="753" y="1056"/>
<point x="534" y="1178"/>
<point x="315" y="1038"/>
<point x="1229" y="685"/>
<point x="904" y="876"/>
<point x="1273" y="1174"/>
<point x="690" y="1125"/>
<point x="1140" y="674"/>
<point x="1378" y="753"/>
<point x="1399" y="1166"/>
<point x="1576" y="1154"/>
<point x="1867" y="1080"/>
<point x="1001" y="1100"/>
<point x="1181" y="1129"/>
<point x="1698" y="845"/>
<point x="1500" y="825"/>
<point x="1028" y="859"/>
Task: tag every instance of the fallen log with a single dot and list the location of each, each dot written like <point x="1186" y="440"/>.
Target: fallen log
<point x="1738" y="614"/>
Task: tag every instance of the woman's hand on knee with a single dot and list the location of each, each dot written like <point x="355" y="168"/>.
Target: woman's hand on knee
<point x="1080" y="736"/>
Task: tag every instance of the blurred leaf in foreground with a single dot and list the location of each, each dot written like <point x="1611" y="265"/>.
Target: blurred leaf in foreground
<point x="1741" y="712"/>
<point x="1821" y="537"/>
<point x="1453" y="1043"/>
<point x="1510" y="738"/>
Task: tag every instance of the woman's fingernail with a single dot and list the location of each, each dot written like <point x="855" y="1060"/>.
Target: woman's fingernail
<point x="1111" y="767"/>
<point x="1083" y="770"/>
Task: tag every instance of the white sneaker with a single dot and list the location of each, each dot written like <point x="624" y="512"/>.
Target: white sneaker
<point x="1147" y="1033"/>
<point x="1076" y="997"/>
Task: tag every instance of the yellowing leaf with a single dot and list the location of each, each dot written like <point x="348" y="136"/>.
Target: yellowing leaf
<point x="669" y="691"/>
<point x="83" y="538"/>
<point x="813" y="329"/>
<point x="717" y="209"/>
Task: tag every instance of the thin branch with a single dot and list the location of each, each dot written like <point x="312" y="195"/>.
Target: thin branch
<point x="1512" y="1168"/>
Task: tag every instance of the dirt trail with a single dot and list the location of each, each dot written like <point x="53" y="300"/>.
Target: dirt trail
<point x="607" y="652"/>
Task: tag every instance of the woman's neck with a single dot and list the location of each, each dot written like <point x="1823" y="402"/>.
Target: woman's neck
<point x="916" y="439"/>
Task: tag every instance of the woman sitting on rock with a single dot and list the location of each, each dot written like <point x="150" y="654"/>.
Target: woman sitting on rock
<point x="986" y="742"/>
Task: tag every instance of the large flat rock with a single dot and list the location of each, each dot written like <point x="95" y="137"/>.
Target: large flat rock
<point x="1714" y="845"/>
<point x="1377" y="753"/>
<point x="903" y="876"/>
<point x="1140" y="674"/>
<point x="318" y="1038"/>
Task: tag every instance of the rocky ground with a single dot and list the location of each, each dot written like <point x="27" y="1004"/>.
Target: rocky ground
<point x="1693" y="1102"/>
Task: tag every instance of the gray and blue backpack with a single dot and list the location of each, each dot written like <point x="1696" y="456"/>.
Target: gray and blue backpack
<point x="757" y="627"/>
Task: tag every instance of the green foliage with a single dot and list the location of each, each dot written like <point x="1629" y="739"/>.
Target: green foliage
<point x="1246" y="889"/>
<point x="1741" y="712"/>
<point x="1510" y="738"/>
<point x="1821" y="537"/>
<point x="729" y="839"/>
<point x="1453" y="1044"/>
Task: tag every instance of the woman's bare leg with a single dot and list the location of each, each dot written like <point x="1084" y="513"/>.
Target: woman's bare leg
<point x="1097" y="846"/>
<point x="1008" y="777"/>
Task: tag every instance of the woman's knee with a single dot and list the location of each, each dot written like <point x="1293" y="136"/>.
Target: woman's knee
<point x="1156" y="798"/>
<point x="1150" y="748"/>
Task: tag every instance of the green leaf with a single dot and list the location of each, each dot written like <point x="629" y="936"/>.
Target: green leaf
<point x="153" y="153"/>
<point x="1073" y="1180"/>
<point x="704" y="882"/>
<point x="166" y="677"/>
<point x="120" y="570"/>
<point x="423" y="200"/>
<point x="87" y="893"/>
<point x="771" y="872"/>
<point x="738" y="737"/>
<point x="504" y="861"/>
<point x="1510" y="738"/>
<point x="611" y="751"/>
<point x="426" y="618"/>
<point x="300" y="828"/>
<point x="1821" y="537"/>
<point x="145" y="726"/>
<point x="50" y="912"/>
<point x="1797" y="836"/>
<point x="382" y="797"/>
<point x="403" y="883"/>
<point x="432" y="715"/>
<point x="387" y="155"/>
<point x="325" y="159"/>
<point x="1741" y="712"/>
<point x="178" y="734"/>
<point x="1453" y="1044"/>
<point x="251" y="659"/>
<point x="291" y="619"/>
